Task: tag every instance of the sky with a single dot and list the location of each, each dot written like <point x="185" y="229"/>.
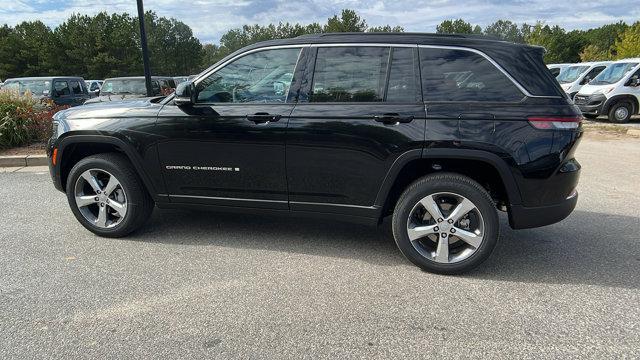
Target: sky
<point x="209" y="19"/>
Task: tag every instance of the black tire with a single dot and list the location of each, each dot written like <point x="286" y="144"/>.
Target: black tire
<point x="590" y="116"/>
<point x="448" y="183"/>
<point x="139" y="203"/>
<point x="614" y="109"/>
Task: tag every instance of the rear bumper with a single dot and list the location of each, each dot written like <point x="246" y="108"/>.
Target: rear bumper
<point x="522" y="217"/>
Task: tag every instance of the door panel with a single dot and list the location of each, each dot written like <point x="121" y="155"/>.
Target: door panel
<point x="229" y="148"/>
<point x="214" y="154"/>
<point x="339" y="154"/>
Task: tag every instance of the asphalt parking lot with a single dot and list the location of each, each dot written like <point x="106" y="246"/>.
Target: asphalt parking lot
<point x="240" y="286"/>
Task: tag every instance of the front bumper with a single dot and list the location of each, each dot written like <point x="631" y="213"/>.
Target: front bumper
<point x="54" y="170"/>
<point x="522" y="217"/>
<point x="590" y="105"/>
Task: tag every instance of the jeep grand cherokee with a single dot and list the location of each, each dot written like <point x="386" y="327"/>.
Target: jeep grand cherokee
<point x="439" y="132"/>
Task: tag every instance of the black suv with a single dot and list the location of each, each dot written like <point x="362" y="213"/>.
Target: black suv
<point x="440" y="132"/>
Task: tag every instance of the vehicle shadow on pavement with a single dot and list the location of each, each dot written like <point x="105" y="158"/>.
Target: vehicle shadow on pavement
<point x="578" y="250"/>
<point x="586" y="248"/>
<point x="290" y="234"/>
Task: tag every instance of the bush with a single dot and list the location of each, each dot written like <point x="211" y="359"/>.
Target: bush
<point x="24" y="120"/>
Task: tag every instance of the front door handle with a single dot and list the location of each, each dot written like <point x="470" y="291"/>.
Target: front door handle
<point x="393" y="118"/>
<point x="262" y="117"/>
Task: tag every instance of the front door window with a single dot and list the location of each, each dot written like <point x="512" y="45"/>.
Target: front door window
<point x="260" y="77"/>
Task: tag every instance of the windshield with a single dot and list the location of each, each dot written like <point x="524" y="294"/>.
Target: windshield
<point x="613" y="73"/>
<point x="571" y="73"/>
<point x="124" y="86"/>
<point x="35" y="87"/>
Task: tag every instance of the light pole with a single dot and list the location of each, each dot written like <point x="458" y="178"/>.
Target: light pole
<point x="145" y="51"/>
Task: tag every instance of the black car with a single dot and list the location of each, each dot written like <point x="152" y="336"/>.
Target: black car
<point x="439" y="132"/>
<point x="133" y="87"/>
<point x="62" y="90"/>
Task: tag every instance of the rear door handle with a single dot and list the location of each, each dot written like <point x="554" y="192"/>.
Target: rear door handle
<point x="393" y="118"/>
<point x="262" y="117"/>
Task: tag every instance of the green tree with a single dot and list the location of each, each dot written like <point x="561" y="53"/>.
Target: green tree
<point x="560" y="45"/>
<point x="349" y="21"/>
<point x="629" y="43"/>
<point x="505" y="30"/>
<point x="457" y="26"/>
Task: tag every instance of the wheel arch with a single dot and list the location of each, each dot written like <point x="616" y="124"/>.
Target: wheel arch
<point x="411" y="166"/>
<point x="73" y="148"/>
<point x="618" y="98"/>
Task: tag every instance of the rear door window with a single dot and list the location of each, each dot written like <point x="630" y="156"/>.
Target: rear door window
<point x="404" y="76"/>
<point x="75" y="87"/>
<point x="461" y="75"/>
<point x="350" y="74"/>
<point x="61" y="88"/>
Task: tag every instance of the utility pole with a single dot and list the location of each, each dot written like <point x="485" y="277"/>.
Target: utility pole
<point x="145" y="50"/>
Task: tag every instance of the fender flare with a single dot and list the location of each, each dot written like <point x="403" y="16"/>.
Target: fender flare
<point x="111" y="140"/>
<point x="612" y="100"/>
<point x="510" y="184"/>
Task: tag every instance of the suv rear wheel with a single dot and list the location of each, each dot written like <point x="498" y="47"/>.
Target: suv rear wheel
<point x="445" y="223"/>
<point x="620" y="112"/>
<point x="107" y="196"/>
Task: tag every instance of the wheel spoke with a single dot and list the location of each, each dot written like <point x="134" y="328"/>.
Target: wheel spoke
<point x="102" y="217"/>
<point x="442" y="252"/>
<point x="462" y="209"/>
<point x="111" y="185"/>
<point x="120" y="208"/>
<point x="432" y="207"/>
<point x="85" y="200"/>
<point x="419" y="232"/>
<point x="469" y="237"/>
<point x="93" y="182"/>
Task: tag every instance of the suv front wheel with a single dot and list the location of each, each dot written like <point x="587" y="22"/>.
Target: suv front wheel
<point x="107" y="196"/>
<point x="446" y="223"/>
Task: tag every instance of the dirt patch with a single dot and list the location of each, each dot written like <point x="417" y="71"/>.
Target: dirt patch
<point x="599" y="131"/>
<point x="33" y="149"/>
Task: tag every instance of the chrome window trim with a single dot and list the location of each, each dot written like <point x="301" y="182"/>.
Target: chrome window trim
<point x="522" y="89"/>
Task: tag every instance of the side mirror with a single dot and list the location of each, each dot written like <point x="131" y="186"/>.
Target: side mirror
<point x="186" y="94"/>
<point x="586" y="80"/>
<point x="634" y="81"/>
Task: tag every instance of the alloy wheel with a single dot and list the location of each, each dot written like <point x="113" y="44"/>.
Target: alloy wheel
<point x="100" y="198"/>
<point x="445" y="227"/>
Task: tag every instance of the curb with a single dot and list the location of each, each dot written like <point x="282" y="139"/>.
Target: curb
<point x="23" y="160"/>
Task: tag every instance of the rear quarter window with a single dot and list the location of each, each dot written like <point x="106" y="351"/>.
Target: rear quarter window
<point x="461" y="75"/>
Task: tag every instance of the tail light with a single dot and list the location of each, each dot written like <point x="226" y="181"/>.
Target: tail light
<point x="555" y="122"/>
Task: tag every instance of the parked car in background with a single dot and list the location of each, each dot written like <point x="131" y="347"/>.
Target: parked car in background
<point x="123" y="88"/>
<point x="439" y="132"/>
<point x="615" y="92"/>
<point x="556" y="68"/>
<point x="573" y="77"/>
<point x="63" y="90"/>
<point x="94" y="87"/>
<point x="180" y="79"/>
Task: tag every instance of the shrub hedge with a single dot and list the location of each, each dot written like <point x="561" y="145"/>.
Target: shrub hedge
<point x="24" y="120"/>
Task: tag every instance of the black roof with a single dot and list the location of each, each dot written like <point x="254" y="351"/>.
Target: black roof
<point x="473" y="41"/>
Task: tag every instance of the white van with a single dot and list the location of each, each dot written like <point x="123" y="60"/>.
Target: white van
<point x="573" y="77"/>
<point x="556" y="68"/>
<point x="615" y="92"/>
